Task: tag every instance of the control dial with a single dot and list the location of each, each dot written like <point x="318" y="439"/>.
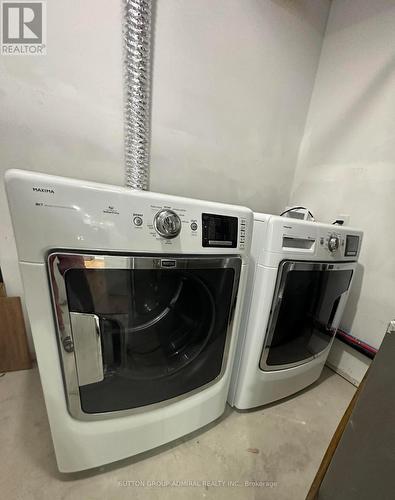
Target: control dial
<point x="333" y="243"/>
<point x="167" y="224"/>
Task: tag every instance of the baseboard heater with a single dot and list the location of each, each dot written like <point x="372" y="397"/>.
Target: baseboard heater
<point x="356" y="344"/>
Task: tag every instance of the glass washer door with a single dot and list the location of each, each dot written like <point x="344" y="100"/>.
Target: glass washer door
<point x="302" y="318"/>
<point x="137" y="331"/>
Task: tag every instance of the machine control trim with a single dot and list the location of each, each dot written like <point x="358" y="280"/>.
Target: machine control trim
<point x="167" y="224"/>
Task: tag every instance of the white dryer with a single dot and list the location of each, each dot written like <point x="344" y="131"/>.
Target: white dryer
<point x="299" y="278"/>
<point x="134" y="302"/>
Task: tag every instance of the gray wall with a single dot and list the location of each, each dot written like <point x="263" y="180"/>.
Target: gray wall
<point x="232" y="83"/>
<point x="347" y="158"/>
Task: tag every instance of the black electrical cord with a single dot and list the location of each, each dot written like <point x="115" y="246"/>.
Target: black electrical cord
<point x="297" y="208"/>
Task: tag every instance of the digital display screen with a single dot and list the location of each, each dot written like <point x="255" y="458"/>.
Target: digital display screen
<point x="219" y="231"/>
<point x="352" y="243"/>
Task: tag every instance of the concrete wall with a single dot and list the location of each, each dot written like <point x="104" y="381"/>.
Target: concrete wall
<point x="231" y="87"/>
<point x="232" y="84"/>
<point x="61" y="113"/>
<point x="347" y="159"/>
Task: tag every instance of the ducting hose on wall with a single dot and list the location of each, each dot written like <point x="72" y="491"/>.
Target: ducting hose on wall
<point x="137" y="92"/>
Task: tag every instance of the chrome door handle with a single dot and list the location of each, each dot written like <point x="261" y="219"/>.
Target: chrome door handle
<point x="334" y="312"/>
<point x="87" y="347"/>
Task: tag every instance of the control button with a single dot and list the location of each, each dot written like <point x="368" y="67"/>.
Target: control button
<point x="194" y="226"/>
<point x="137" y="221"/>
<point x="333" y="243"/>
<point x="167" y="224"/>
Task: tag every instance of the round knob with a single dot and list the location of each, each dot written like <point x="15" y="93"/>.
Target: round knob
<point x="167" y="224"/>
<point x="333" y="243"/>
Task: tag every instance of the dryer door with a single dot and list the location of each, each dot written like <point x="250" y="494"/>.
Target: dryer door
<point x="306" y="311"/>
<point x="140" y="331"/>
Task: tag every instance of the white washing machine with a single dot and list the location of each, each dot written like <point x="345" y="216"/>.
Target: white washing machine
<point x="299" y="278"/>
<point x="134" y="302"/>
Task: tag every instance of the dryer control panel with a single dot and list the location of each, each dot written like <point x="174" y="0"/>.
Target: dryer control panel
<point x="58" y="213"/>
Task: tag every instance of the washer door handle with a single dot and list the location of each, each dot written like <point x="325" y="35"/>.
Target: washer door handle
<point x="87" y="347"/>
<point x="334" y="319"/>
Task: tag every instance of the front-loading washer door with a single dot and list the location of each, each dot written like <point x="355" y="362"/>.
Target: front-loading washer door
<point x="304" y="314"/>
<point x="137" y="331"/>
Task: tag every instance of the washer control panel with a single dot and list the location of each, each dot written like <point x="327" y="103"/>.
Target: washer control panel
<point x="313" y="240"/>
<point x="341" y="244"/>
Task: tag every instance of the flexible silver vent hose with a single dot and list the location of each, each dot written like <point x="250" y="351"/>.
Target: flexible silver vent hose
<point x="137" y="35"/>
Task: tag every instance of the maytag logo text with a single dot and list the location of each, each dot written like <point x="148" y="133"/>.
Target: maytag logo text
<point x="43" y="190"/>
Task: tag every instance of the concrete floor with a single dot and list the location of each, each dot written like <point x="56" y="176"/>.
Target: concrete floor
<point x="282" y="444"/>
